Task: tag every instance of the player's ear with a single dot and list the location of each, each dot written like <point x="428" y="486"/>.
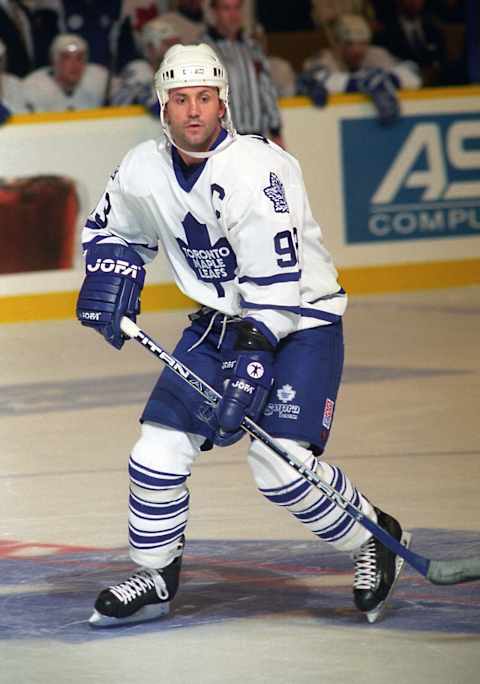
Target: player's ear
<point x="221" y="109"/>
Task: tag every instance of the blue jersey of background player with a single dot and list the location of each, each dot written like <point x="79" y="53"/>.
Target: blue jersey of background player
<point x="232" y="216"/>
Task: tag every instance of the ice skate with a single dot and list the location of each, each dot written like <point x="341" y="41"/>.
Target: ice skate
<point x="377" y="569"/>
<point x="146" y="595"/>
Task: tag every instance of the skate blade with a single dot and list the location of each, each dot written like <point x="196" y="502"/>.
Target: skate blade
<point x="146" y="614"/>
<point x="376" y="613"/>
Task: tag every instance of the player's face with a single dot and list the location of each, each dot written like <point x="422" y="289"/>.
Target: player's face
<point x="193" y="115"/>
<point x="69" y="67"/>
<point x="228" y="15"/>
<point x="354" y="54"/>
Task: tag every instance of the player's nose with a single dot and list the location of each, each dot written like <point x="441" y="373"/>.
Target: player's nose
<point x="193" y="108"/>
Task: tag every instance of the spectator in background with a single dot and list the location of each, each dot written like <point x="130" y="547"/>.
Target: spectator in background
<point x="411" y="35"/>
<point x="12" y="98"/>
<point x="188" y="20"/>
<point x="71" y="83"/>
<point x="356" y="66"/>
<point x="253" y="98"/>
<point x="16" y="34"/>
<point x="135" y="85"/>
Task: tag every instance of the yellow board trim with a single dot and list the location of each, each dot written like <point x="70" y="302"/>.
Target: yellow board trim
<point x="47" y="306"/>
<point x="452" y="92"/>
<point x="410" y="276"/>
<point x="166" y="296"/>
<point x="341" y="99"/>
<point x="80" y="115"/>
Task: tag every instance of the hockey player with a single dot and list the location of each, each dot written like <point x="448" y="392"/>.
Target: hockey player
<point x="354" y="65"/>
<point x="71" y="83"/>
<point x="135" y="84"/>
<point x="232" y="216"/>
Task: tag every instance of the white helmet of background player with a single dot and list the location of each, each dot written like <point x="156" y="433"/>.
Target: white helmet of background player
<point x="157" y="31"/>
<point x="67" y="42"/>
<point x="156" y="37"/>
<point x="192" y="65"/>
<point x="352" y="28"/>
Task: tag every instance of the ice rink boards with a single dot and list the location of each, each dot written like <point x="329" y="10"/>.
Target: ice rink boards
<point x="261" y="600"/>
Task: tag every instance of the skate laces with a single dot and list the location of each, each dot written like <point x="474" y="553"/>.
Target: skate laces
<point x="365" y="560"/>
<point x="138" y="584"/>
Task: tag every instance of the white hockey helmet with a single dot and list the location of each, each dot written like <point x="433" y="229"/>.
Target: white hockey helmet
<point x="192" y="65"/>
<point x="68" y="42"/>
<point x="156" y="31"/>
<point x="352" y="28"/>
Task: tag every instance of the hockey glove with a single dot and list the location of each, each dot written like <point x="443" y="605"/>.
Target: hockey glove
<point x="380" y="86"/>
<point x="313" y="87"/>
<point x="111" y="289"/>
<point x="248" y="378"/>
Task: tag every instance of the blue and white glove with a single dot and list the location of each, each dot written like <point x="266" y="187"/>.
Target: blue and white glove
<point x="312" y="84"/>
<point x="248" y="378"/>
<point x="111" y="289"/>
<point x="381" y="87"/>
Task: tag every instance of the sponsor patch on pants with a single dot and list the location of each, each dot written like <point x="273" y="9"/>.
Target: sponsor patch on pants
<point x="328" y="413"/>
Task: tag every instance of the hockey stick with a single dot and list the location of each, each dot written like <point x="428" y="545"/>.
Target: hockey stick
<point x="452" y="571"/>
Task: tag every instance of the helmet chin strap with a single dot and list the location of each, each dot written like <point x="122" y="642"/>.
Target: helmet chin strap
<point x="203" y="155"/>
<point x="232" y="134"/>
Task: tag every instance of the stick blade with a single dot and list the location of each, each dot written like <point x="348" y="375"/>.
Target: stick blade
<point x="455" y="571"/>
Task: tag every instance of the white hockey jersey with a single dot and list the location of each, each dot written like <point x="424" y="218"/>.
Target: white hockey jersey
<point x="43" y="94"/>
<point x="12" y="94"/>
<point x="335" y="74"/>
<point x="237" y="231"/>
<point x="135" y="85"/>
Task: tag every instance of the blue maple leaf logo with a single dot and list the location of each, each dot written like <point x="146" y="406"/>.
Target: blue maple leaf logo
<point x="276" y="194"/>
<point x="286" y="393"/>
<point x="213" y="264"/>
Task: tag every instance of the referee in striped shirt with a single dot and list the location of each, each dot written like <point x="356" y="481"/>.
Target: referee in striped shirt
<point x="253" y="96"/>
